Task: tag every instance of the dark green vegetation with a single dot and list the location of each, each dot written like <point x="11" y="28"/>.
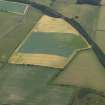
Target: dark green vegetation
<point x="92" y="2"/>
<point x="62" y="44"/>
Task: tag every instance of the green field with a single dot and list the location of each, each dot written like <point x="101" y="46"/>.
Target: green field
<point x="62" y="44"/>
<point x="14" y="29"/>
<point x="84" y="71"/>
<point x="8" y="22"/>
<point x="63" y="3"/>
<point x="12" y="7"/>
<point x="27" y="85"/>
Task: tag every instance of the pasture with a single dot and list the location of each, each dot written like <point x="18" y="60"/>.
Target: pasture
<point x="25" y="85"/>
<point x="13" y="7"/>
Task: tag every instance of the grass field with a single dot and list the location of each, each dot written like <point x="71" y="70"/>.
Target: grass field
<point x="84" y="71"/>
<point x="62" y="44"/>
<point x="9" y="40"/>
<point x="27" y="85"/>
<point x="13" y="7"/>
